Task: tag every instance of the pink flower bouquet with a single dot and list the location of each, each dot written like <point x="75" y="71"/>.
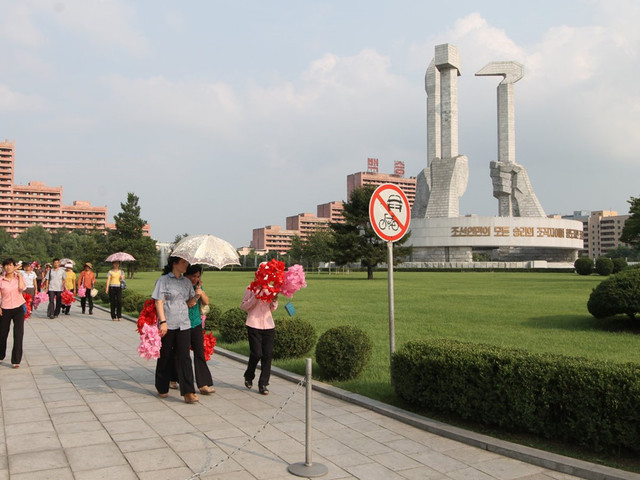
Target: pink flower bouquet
<point x="294" y="280"/>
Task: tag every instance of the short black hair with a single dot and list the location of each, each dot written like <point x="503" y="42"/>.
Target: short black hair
<point x="8" y="261"/>
<point x="193" y="269"/>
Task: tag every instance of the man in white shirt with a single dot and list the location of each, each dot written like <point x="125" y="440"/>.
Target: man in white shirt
<point x="54" y="285"/>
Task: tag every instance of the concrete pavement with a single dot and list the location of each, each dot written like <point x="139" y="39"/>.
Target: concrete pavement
<point x="83" y="406"/>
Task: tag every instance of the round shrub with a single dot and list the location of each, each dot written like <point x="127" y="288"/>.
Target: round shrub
<point x="212" y="322"/>
<point x="604" y="266"/>
<point x="294" y="337"/>
<point x="619" y="264"/>
<point x="102" y="295"/>
<point x="232" y="325"/>
<point x="583" y="266"/>
<point x="618" y="294"/>
<point x="132" y="301"/>
<point x="342" y="352"/>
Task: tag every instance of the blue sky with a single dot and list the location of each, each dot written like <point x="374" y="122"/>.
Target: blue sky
<point x="227" y="116"/>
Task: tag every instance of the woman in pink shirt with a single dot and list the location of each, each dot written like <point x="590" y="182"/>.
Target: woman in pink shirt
<point x="261" y="331"/>
<point x="11" y="308"/>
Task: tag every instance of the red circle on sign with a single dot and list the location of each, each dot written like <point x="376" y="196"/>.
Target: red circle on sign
<point x="389" y="212"/>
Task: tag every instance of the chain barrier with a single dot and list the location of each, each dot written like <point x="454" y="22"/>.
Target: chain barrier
<point x="251" y="438"/>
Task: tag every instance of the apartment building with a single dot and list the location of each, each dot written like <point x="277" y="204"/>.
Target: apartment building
<point x="24" y="206"/>
<point x="602" y="230"/>
<point x="274" y="237"/>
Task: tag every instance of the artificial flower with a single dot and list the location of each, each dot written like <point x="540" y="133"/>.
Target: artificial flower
<point x="268" y="280"/>
<point x="147" y="315"/>
<point x="209" y="342"/>
<point x="294" y="280"/>
<point x="27" y="299"/>
<point x="40" y="297"/>
<point x="82" y="291"/>
<point x="150" y="342"/>
<point x="67" y="297"/>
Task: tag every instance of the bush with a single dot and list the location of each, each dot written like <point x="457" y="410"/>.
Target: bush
<point x="594" y="404"/>
<point x="619" y="264"/>
<point x="618" y="294"/>
<point x="294" y="337"/>
<point x="232" y="325"/>
<point x="604" y="266"/>
<point x="342" y="352"/>
<point x="212" y="322"/>
<point x="132" y="302"/>
<point x="102" y="295"/>
<point x="583" y="266"/>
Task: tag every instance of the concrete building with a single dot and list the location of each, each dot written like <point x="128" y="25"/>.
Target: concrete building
<point x="602" y="230"/>
<point x="275" y="238"/>
<point x="360" y="179"/>
<point x="24" y="206"/>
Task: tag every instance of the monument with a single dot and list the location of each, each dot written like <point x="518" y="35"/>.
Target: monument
<point x="521" y="231"/>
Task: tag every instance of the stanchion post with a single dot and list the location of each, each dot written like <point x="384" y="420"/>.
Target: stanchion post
<point x="308" y="469"/>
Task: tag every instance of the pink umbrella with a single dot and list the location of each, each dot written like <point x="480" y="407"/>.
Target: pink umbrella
<point x="120" y="257"/>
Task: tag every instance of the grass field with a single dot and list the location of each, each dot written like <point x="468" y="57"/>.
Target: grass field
<point x="538" y="312"/>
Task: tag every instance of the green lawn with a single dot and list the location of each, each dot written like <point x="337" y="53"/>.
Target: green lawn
<point x="539" y="312"/>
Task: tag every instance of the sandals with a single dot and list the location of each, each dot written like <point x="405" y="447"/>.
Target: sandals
<point x="206" y="390"/>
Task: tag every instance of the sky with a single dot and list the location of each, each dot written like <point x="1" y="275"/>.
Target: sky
<point x="223" y="117"/>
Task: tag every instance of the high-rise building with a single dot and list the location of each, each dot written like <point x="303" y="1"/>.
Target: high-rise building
<point x="274" y="238"/>
<point x="24" y="206"/>
<point x="602" y="230"/>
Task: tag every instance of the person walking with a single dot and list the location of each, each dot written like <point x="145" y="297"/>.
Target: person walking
<point x="87" y="279"/>
<point x="30" y="280"/>
<point x="69" y="284"/>
<point x="11" y="309"/>
<point x="261" y="332"/>
<point x="171" y="294"/>
<point x="39" y="271"/>
<point x="54" y="284"/>
<point x="114" y="289"/>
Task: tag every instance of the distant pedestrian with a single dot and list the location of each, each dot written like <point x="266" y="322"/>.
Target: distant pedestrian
<point x="39" y="271"/>
<point x="30" y="280"/>
<point x="54" y="284"/>
<point x="114" y="289"/>
<point x="69" y="284"/>
<point x="87" y="279"/>
<point x="12" y="308"/>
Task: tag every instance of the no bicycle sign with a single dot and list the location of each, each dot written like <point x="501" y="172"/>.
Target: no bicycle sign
<point x="389" y="212"/>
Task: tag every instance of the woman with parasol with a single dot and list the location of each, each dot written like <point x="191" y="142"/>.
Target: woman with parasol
<point x="171" y="294"/>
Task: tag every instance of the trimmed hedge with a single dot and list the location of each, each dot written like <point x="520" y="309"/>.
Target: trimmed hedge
<point x="590" y="403"/>
<point x="343" y="352"/>
<point x="583" y="266"/>
<point x="232" y="325"/>
<point x="294" y="337"/>
<point x="132" y="302"/>
<point x="618" y="294"/>
<point x="619" y="264"/>
<point x="212" y="322"/>
<point x="604" y="266"/>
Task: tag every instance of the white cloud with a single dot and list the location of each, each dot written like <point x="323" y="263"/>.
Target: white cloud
<point x="16" y="102"/>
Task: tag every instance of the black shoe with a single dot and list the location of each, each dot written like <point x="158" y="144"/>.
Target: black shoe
<point x="263" y="390"/>
<point x="248" y="384"/>
<point x="90" y="312"/>
<point x="83" y="312"/>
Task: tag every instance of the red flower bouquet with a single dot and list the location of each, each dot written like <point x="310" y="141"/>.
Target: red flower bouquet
<point x="27" y="305"/>
<point x="268" y="280"/>
<point x="209" y="342"/>
<point x="67" y="297"/>
<point x="147" y="315"/>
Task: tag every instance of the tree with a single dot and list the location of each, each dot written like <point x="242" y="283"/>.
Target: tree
<point x="355" y="240"/>
<point x="128" y="237"/>
<point x="631" y="230"/>
<point x="317" y="247"/>
<point x="129" y="225"/>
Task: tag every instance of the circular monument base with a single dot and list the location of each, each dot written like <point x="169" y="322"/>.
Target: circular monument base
<point x="303" y="470"/>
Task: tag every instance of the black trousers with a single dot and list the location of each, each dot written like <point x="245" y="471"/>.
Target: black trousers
<point x="17" y="315"/>
<point x="261" y="347"/>
<point x="175" y="342"/>
<point x="115" y="301"/>
<point x="203" y="374"/>
<point x="55" y="303"/>
<point x="83" y="301"/>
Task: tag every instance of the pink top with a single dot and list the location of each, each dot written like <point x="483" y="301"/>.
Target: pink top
<point x="259" y="311"/>
<point x="11" y="291"/>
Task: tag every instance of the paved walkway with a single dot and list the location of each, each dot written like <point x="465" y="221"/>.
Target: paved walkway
<point x="83" y="406"/>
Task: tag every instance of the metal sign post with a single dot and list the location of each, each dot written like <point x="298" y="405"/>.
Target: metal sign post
<point x="390" y="216"/>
